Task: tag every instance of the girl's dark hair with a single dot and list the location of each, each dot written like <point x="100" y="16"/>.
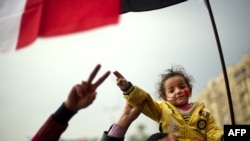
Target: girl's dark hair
<point x="156" y="136"/>
<point x="176" y="70"/>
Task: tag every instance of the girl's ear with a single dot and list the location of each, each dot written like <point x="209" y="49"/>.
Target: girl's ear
<point x="190" y="92"/>
<point x="164" y="98"/>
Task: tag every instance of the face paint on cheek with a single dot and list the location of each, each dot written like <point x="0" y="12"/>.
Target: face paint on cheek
<point x="186" y="92"/>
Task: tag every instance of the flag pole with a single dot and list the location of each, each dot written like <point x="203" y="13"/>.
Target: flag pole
<point x="222" y="61"/>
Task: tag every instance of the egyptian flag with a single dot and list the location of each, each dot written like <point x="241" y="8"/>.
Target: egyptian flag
<point x="23" y="21"/>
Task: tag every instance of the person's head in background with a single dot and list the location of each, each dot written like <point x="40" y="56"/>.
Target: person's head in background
<point x="161" y="137"/>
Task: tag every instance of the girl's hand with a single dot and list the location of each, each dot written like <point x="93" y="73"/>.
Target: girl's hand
<point x="121" y="82"/>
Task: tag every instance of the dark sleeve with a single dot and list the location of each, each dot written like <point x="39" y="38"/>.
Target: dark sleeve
<point x="146" y="5"/>
<point x="63" y="115"/>
<point x="105" y="137"/>
<point x="55" y="125"/>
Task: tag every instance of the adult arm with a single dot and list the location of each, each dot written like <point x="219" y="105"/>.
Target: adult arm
<point x="55" y="125"/>
<point x="80" y="97"/>
<point x="118" y="130"/>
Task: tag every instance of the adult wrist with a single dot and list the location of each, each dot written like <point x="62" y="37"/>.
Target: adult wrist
<point x="62" y="115"/>
<point x="117" y="131"/>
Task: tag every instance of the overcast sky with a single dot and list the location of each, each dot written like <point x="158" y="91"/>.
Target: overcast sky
<point x="36" y="80"/>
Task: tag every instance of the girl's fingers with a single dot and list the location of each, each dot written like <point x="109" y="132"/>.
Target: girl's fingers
<point x="118" y="74"/>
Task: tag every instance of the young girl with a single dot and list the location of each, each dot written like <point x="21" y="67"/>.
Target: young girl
<point x="188" y="121"/>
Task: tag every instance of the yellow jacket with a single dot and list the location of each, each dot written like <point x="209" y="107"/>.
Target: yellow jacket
<point x="200" y="127"/>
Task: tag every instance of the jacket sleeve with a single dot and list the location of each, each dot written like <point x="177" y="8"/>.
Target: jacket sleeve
<point x="214" y="133"/>
<point x="105" y="136"/>
<point x="55" y="125"/>
<point x="136" y="95"/>
<point x="146" y="5"/>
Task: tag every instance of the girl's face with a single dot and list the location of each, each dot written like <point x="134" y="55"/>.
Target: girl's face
<point x="177" y="91"/>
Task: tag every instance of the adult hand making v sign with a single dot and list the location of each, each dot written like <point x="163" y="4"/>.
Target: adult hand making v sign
<point x="82" y="95"/>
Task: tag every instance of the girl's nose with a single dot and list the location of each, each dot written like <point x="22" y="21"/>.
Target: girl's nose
<point x="178" y="91"/>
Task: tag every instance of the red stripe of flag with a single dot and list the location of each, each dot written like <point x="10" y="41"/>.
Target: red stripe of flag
<point x="59" y="17"/>
<point x="30" y="23"/>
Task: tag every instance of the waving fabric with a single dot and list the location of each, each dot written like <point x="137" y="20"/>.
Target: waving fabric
<point x="23" y="21"/>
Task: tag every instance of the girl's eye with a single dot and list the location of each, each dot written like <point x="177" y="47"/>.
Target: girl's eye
<point x="171" y="91"/>
<point x="183" y="87"/>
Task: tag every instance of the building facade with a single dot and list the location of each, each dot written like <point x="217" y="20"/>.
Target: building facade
<point x="216" y="99"/>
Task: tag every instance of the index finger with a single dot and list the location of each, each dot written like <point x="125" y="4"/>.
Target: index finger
<point x="93" y="73"/>
<point x="101" y="79"/>
<point x="118" y="74"/>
